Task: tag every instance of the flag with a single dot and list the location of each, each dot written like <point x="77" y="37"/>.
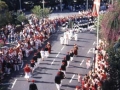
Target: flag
<point x="96" y="7"/>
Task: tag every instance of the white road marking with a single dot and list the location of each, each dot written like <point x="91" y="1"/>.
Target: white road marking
<point x="82" y="62"/>
<point x="62" y="48"/>
<point x="57" y="54"/>
<point x="52" y="62"/>
<point x="72" y="78"/>
<point x="90" y="50"/>
<point x="14" y="83"/>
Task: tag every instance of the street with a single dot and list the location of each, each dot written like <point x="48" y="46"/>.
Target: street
<point x="45" y="73"/>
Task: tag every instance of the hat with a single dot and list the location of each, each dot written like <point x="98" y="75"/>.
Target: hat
<point x="33" y="80"/>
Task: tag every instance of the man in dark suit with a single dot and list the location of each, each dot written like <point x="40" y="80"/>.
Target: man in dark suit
<point x="33" y="86"/>
<point x="58" y="80"/>
<point x="68" y="58"/>
<point x="38" y="56"/>
<point x="63" y="68"/>
<point x="65" y="61"/>
<point x="35" y="58"/>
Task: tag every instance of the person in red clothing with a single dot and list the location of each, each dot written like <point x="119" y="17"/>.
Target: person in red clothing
<point x="78" y="88"/>
<point x="27" y="71"/>
<point x="49" y="47"/>
<point x="75" y="48"/>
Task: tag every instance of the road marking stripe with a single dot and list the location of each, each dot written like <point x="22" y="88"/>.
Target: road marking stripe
<point x="90" y="50"/>
<point x="57" y="54"/>
<point x="52" y="62"/>
<point x="72" y="78"/>
<point x="82" y="62"/>
<point x="62" y="48"/>
<point x="14" y="83"/>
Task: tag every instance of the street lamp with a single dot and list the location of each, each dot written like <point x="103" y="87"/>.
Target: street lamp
<point x="61" y="5"/>
<point x="86" y="4"/>
<point x="43" y="4"/>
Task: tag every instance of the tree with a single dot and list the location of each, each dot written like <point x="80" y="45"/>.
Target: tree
<point x="46" y="12"/>
<point x="5" y="15"/>
<point x="37" y="10"/>
<point x="40" y="13"/>
<point x="110" y="24"/>
<point x="113" y="82"/>
<point x="21" y="17"/>
<point x="3" y="6"/>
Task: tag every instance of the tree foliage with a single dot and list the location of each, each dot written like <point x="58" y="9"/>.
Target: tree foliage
<point x="3" y="6"/>
<point x="21" y="17"/>
<point x="46" y="12"/>
<point x="110" y="24"/>
<point x="39" y="12"/>
<point x="5" y="15"/>
<point x="113" y="83"/>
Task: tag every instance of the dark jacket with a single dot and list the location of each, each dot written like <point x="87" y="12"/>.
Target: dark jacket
<point x="58" y="79"/>
<point x="67" y="57"/>
<point x="35" y="58"/>
<point x="33" y="86"/>
<point x="71" y="54"/>
<point x="38" y="55"/>
<point x="65" y="61"/>
<point x="62" y="75"/>
<point x="63" y="67"/>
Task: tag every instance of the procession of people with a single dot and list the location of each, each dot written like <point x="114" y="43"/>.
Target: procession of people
<point x="30" y="41"/>
<point x="67" y="36"/>
<point x="61" y="74"/>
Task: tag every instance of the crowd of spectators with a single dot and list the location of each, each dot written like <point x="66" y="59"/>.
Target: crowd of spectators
<point x="97" y="76"/>
<point x="31" y="37"/>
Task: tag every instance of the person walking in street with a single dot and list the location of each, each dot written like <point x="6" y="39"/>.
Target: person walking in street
<point x="62" y="75"/>
<point x="75" y="48"/>
<point x="64" y="61"/>
<point x="42" y="52"/>
<point x="32" y="65"/>
<point x="71" y="55"/>
<point x="88" y="63"/>
<point x="35" y="58"/>
<point x="38" y="57"/>
<point x="76" y="36"/>
<point x="49" y="47"/>
<point x="79" y="78"/>
<point x="62" y="40"/>
<point x="33" y="86"/>
<point x="66" y="39"/>
<point x="58" y="81"/>
<point x="27" y="71"/>
<point x="46" y="51"/>
<point x="68" y="58"/>
<point x="63" y="68"/>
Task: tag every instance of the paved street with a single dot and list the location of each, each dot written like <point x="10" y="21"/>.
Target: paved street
<point x="62" y="14"/>
<point x="46" y="71"/>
